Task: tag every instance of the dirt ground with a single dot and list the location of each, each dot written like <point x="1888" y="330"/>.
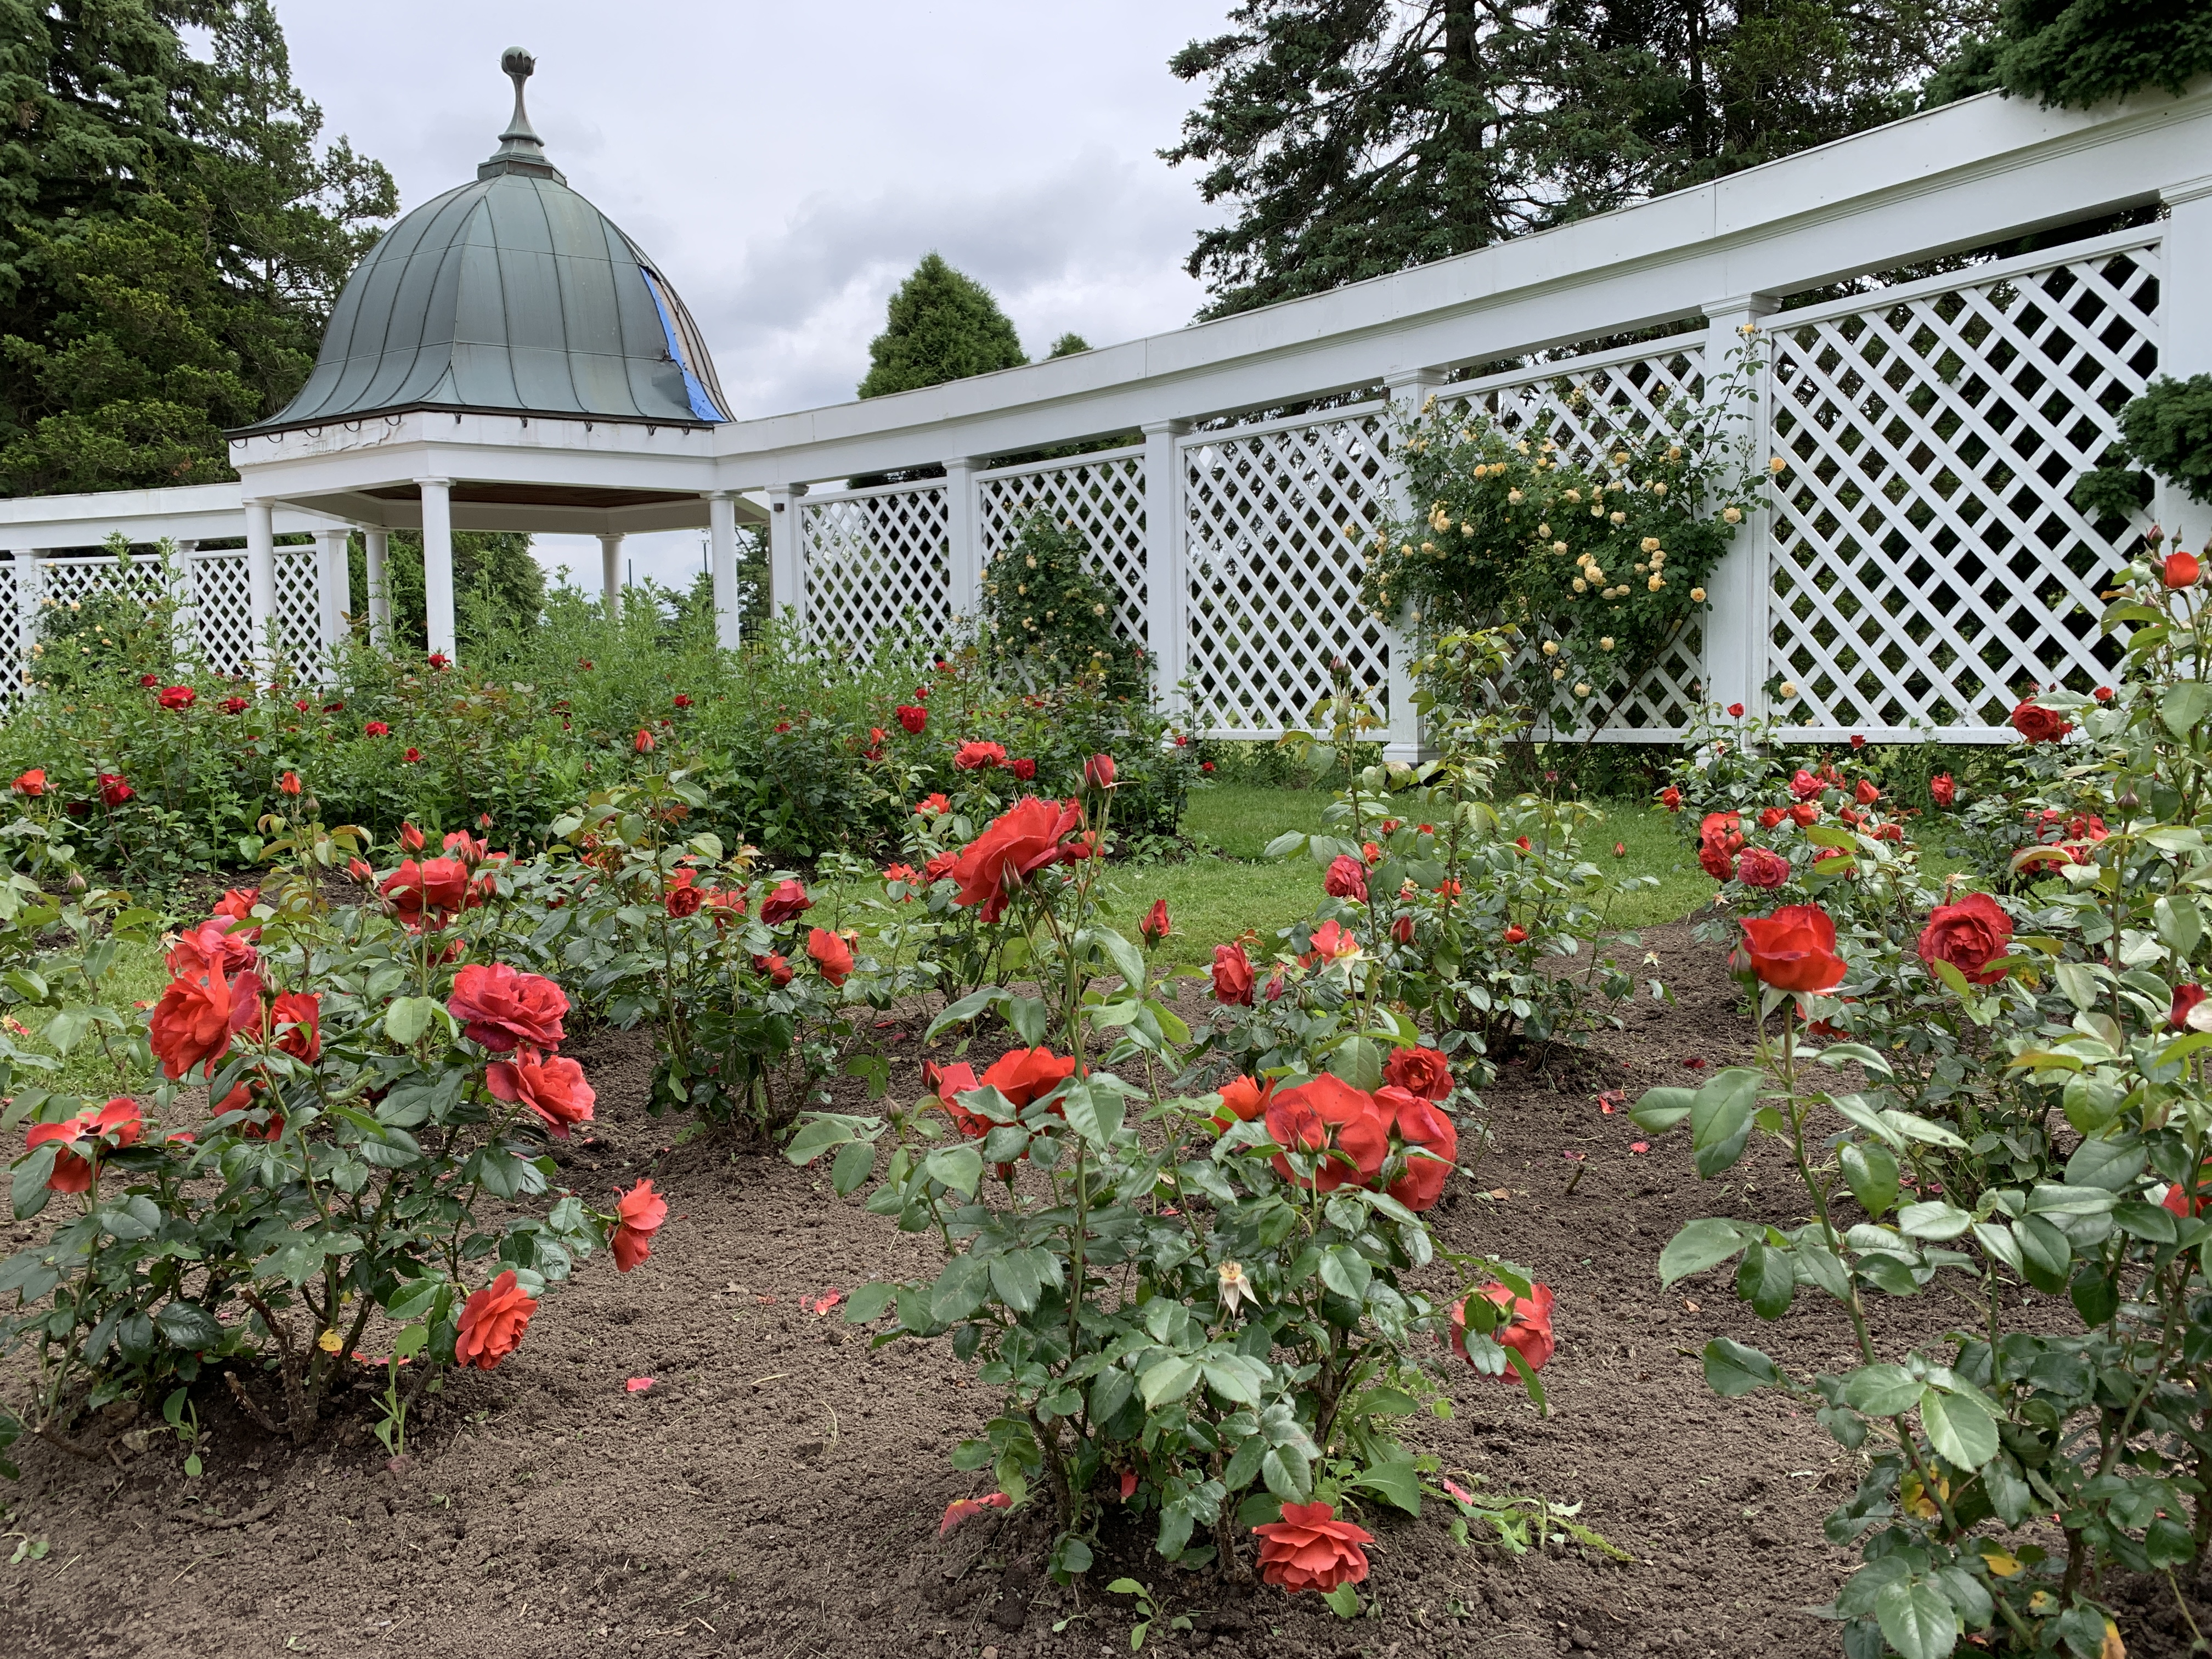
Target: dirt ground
<point x="777" y="1490"/>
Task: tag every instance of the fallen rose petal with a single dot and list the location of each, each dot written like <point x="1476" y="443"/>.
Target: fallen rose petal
<point x="1455" y="1490"/>
<point x="1639" y="1145"/>
<point x="639" y="1384"/>
<point x="829" y="1299"/>
<point x="964" y="1509"/>
<point x="1694" y="1063"/>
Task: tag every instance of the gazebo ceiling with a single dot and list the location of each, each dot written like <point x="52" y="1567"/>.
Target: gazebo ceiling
<point x="510" y="294"/>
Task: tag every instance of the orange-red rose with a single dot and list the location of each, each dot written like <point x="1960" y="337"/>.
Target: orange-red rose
<point x="1970" y="935"/>
<point x="436" y="887"/>
<point x="831" y="955"/>
<point x="1329" y="1117"/>
<point x="1430" y="1142"/>
<point x="1024" y="1075"/>
<point x="297" y="1019"/>
<point x="1792" y="949"/>
<point x="500" y="1008"/>
<point x="1310" y="1549"/>
<point x="85" y="1137"/>
<point x="1527" y="1329"/>
<point x="1244" y="1099"/>
<point x="492" y="1322"/>
<point x="1024" y="839"/>
<point x="786" y="903"/>
<point x="2037" y="724"/>
<point x="1232" y="976"/>
<point x="1419" y="1071"/>
<point x="548" y="1084"/>
<point x="198" y="1014"/>
<point x="638" y="1214"/>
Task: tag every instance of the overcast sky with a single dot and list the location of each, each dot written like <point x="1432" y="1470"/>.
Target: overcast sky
<point x="787" y="164"/>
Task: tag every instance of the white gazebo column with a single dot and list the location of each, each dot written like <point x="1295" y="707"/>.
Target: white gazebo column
<point x="333" y="584"/>
<point x="376" y="558"/>
<point x="260" y="584"/>
<point x="1403" y="741"/>
<point x="1167" y="583"/>
<point x="722" y="559"/>
<point x="1735" y="593"/>
<point x="438" y="566"/>
<point x="610" y="582"/>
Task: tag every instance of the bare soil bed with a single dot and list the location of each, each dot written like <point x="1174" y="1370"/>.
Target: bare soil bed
<point x="777" y="1490"/>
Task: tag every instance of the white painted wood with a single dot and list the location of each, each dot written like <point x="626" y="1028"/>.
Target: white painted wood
<point x="1735" y="621"/>
<point x="786" y="585"/>
<point x="331" y="594"/>
<point x="376" y="545"/>
<point x="1402" y="740"/>
<point x="963" y="542"/>
<point x="260" y="580"/>
<point x="438" y="566"/>
<point x="2186" y="349"/>
<point x="1167" y="604"/>
<point x="611" y="575"/>
<point x="722" y="560"/>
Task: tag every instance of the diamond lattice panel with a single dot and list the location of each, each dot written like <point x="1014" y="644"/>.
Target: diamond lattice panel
<point x="299" y="605"/>
<point x="1273" y="579"/>
<point x="872" y="558"/>
<point x="1586" y="410"/>
<point x="1103" y="497"/>
<point x="1928" y="568"/>
<point x="11" y="640"/>
<point x="223" y="614"/>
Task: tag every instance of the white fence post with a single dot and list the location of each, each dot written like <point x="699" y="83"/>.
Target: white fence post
<point x="964" y="541"/>
<point x="2185" y="346"/>
<point x="1167" y="582"/>
<point x="1402" y="739"/>
<point x="786" y="559"/>
<point x="30" y="596"/>
<point x="1736" y="594"/>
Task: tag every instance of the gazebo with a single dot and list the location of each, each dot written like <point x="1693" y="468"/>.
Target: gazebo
<point x="504" y="358"/>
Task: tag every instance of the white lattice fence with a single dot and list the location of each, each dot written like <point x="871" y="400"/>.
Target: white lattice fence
<point x="1102" y="496"/>
<point x="1587" y="406"/>
<point x="221" y="618"/>
<point x="299" y="608"/>
<point x="1927" y="566"/>
<point x="1274" y="518"/>
<point x="869" y="558"/>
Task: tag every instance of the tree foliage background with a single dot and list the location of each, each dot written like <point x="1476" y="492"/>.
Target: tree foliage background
<point x="1355" y="137"/>
<point x="942" y="324"/>
<point x="172" y="233"/>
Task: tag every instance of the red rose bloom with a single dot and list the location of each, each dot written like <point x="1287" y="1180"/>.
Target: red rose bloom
<point x="2186" y="999"/>
<point x="1803" y="784"/>
<point x="1021" y="841"/>
<point x="1735" y="711"/>
<point x="1867" y="794"/>
<point x="639" y="1215"/>
<point x="1942" y="790"/>
<point x="1310" y="1549"/>
<point x="178" y="696"/>
<point x="786" y="903"/>
<point x="683" y="899"/>
<point x="683" y="700"/>
<point x="1770" y="817"/>
<point x="1792" y="949"/>
<point x="500" y="1008"/>
<point x="113" y="791"/>
<point x="412" y="756"/>
<point x="1329" y="1117"/>
<point x="200" y="1012"/>
<point x="948" y="1083"/>
<point x="550" y="1085"/>
<point x="1757" y="867"/>
<point x="932" y="805"/>
<point x="85" y="1137"/>
<point x="1671" y="799"/>
<point x="831" y="955"/>
<point x="2037" y="724"/>
<point x="1719" y="840"/>
<point x="1806" y="813"/>
<point x="1969" y="935"/>
<point x="2181" y="569"/>
<point x="912" y="718"/>
<point x="1023" y="769"/>
<point x="1423" y="1071"/>
<point x="32" y="784"/>
<point x="777" y="969"/>
<point x="1429" y="1143"/>
<point x="974" y="756"/>
<point x="1232" y="976"/>
<point x="436" y="888"/>
<point x="297" y="1019"/>
<point x="492" y="1322"/>
<point x="1027" y="1075"/>
<point x="375" y="729"/>
<point x="236" y="905"/>
<point x="941" y="865"/>
<point x="1515" y="934"/>
<point x="1346" y="879"/>
<point x="1528" y="1331"/>
<point x="233" y="705"/>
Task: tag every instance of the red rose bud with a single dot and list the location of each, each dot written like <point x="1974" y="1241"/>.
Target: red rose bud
<point x="1735" y="711"/>
<point x="410" y="838"/>
<point x="642" y="742"/>
<point x="1154" y="926"/>
<point x="1620" y="849"/>
<point x="2182" y="569"/>
<point x="1942" y="789"/>
<point x="289" y="783"/>
<point x="1098" y="771"/>
<point x="1515" y="934"/>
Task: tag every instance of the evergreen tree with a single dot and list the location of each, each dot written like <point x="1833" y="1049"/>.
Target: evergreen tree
<point x="2076" y="53"/>
<point x="172" y="235"/>
<point x="1068" y="344"/>
<point x="943" y="326"/>
<point x="1357" y="137"/>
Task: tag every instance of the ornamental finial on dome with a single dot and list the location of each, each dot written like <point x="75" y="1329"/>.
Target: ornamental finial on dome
<point x="520" y="149"/>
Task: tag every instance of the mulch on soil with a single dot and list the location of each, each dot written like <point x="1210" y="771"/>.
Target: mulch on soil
<point x="777" y="1490"/>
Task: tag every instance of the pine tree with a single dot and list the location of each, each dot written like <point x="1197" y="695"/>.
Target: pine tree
<point x="2076" y="53"/>
<point x="1357" y="137"/>
<point x="172" y="234"/>
<point x="942" y="325"/>
<point x="1068" y="344"/>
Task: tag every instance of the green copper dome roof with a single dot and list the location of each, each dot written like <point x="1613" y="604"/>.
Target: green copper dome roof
<point x="511" y="295"/>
